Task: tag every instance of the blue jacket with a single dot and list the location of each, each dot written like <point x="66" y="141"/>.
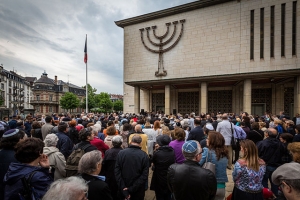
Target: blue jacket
<point x="64" y="144"/>
<point x="12" y="123"/>
<point x="221" y="164"/>
<point x="40" y="181"/>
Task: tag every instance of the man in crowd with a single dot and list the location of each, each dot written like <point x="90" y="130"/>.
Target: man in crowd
<point x="226" y="128"/>
<point x="144" y="143"/>
<point x="47" y="127"/>
<point x="131" y="170"/>
<point x="185" y="185"/>
<point x="197" y="132"/>
<point x="64" y="144"/>
<point x="287" y="176"/>
<point x="271" y="151"/>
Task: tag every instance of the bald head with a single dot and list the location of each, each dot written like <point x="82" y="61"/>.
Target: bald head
<point x="225" y="116"/>
<point x="272" y="132"/>
<point x="138" y="128"/>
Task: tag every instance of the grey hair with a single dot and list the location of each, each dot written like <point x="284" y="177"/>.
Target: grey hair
<point x="51" y="140"/>
<point x="72" y="187"/>
<point x="191" y="156"/>
<point x="136" y="139"/>
<point x="88" y="162"/>
<point x="96" y="128"/>
<point x="117" y="141"/>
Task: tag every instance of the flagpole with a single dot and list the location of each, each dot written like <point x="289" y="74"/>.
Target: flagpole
<point x="86" y="85"/>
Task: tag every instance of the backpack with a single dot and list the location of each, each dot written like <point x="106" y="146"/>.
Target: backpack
<point x="28" y="192"/>
<point x="73" y="160"/>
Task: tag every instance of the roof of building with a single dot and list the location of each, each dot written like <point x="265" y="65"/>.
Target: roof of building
<point x="30" y="79"/>
<point x="169" y="11"/>
<point x="45" y="79"/>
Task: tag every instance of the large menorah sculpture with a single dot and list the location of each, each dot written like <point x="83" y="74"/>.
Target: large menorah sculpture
<point x="161" y="71"/>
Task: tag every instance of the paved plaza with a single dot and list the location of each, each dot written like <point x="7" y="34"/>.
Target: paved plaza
<point x="150" y="195"/>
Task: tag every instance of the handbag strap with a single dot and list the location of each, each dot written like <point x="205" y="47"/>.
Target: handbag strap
<point x="208" y="153"/>
<point x="258" y="133"/>
<point x="231" y="128"/>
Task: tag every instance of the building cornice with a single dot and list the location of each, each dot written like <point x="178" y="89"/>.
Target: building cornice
<point x="169" y="11"/>
<point x="216" y="78"/>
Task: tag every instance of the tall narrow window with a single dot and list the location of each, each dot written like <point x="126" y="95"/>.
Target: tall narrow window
<point x="252" y="35"/>
<point x="272" y="30"/>
<point x="294" y="28"/>
<point x="262" y="32"/>
<point x="283" y="29"/>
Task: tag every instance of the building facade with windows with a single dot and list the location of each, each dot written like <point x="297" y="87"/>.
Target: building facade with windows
<point x="47" y="93"/>
<point x="214" y="56"/>
<point x="15" y="91"/>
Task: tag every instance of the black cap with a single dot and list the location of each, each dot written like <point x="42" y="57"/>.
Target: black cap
<point x="163" y="140"/>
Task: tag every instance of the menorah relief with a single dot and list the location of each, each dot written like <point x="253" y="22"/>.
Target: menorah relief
<point x="161" y="71"/>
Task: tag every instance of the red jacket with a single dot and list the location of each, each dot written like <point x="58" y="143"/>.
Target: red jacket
<point x="101" y="146"/>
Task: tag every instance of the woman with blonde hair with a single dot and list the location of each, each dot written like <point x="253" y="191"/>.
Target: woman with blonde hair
<point x="248" y="173"/>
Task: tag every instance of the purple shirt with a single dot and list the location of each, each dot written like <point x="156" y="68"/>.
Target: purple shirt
<point x="177" y="146"/>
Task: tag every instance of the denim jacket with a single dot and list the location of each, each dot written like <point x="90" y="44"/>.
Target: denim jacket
<point x="221" y="164"/>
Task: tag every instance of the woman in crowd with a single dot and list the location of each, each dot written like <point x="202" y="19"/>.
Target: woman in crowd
<point x="108" y="165"/>
<point x="163" y="157"/>
<point x="255" y="134"/>
<point x="89" y="167"/>
<point x="36" y="130"/>
<point x="85" y="136"/>
<point x="124" y="133"/>
<point x="217" y="153"/>
<point x="56" y="158"/>
<point x="73" y="188"/>
<point x="73" y="132"/>
<point x="97" y="142"/>
<point x="286" y="139"/>
<point x="278" y="126"/>
<point x="248" y="173"/>
<point x="33" y="164"/>
<point x="111" y="132"/>
<point x="7" y="154"/>
<point x="177" y="144"/>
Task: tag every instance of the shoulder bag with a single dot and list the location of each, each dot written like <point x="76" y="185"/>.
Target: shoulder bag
<point x="209" y="165"/>
<point x="234" y="142"/>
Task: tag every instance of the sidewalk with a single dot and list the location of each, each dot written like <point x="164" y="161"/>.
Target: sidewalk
<point x="150" y="195"/>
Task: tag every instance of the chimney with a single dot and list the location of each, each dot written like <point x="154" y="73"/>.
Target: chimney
<point x="55" y="80"/>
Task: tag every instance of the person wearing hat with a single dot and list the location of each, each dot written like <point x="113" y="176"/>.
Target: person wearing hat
<point x="7" y="154"/>
<point x="186" y="185"/>
<point x="163" y="157"/>
<point x="287" y="176"/>
<point x="13" y="122"/>
<point x="206" y="129"/>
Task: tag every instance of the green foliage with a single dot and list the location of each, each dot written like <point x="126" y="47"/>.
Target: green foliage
<point x="91" y="91"/>
<point x="1" y="100"/>
<point x="103" y="102"/>
<point x="91" y="103"/>
<point x="118" y="105"/>
<point x="69" y="101"/>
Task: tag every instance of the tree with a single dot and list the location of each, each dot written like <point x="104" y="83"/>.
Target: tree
<point x="91" y="97"/>
<point x="118" y="105"/>
<point x="103" y="102"/>
<point x="69" y="101"/>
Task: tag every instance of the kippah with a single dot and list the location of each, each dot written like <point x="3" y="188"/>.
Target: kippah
<point x="10" y="133"/>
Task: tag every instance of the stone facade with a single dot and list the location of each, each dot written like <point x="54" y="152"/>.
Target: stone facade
<point x="213" y="54"/>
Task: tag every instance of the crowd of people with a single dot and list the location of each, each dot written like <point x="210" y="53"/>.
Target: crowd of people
<point x="108" y="156"/>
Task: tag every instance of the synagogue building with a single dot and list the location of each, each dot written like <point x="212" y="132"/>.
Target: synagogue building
<point x="214" y="56"/>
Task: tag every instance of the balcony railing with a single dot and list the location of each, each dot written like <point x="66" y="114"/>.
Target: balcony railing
<point x="15" y="94"/>
<point x="43" y="102"/>
<point x="21" y="89"/>
<point x="15" y="87"/>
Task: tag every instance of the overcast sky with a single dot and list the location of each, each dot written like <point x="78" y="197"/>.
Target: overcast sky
<point x="43" y="35"/>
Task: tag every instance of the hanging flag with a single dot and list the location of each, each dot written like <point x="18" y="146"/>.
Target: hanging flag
<point x="85" y="51"/>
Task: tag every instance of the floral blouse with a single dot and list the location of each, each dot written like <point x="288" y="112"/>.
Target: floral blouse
<point x="248" y="180"/>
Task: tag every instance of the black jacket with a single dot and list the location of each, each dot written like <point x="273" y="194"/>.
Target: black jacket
<point x="64" y="144"/>
<point x="82" y="143"/>
<point x="190" y="181"/>
<point x="131" y="170"/>
<point x="98" y="189"/>
<point x="255" y="135"/>
<point x="108" y="169"/>
<point x="271" y="151"/>
<point x="163" y="157"/>
<point x="196" y="134"/>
